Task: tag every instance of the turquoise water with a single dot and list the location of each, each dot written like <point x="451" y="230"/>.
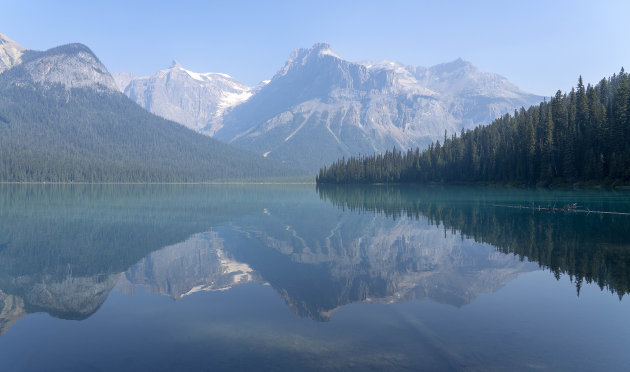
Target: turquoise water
<point x="288" y="277"/>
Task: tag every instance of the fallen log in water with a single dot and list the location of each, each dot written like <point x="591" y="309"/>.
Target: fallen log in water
<point x="572" y="208"/>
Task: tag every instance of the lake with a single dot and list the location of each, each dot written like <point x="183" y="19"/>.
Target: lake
<point x="299" y="277"/>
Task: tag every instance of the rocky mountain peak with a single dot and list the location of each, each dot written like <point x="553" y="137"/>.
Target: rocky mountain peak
<point x="317" y="50"/>
<point x="457" y="64"/>
<point x="462" y="78"/>
<point x="305" y="56"/>
<point x="321" y="101"/>
<point x="10" y="53"/>
<point x="196" y="100"/>
<point x="319" y="107"/>
<point x="458" y="69"/>
<point x="175" y="64"/>
<point x="324" y="49"/>
<point x="72" y="65"/>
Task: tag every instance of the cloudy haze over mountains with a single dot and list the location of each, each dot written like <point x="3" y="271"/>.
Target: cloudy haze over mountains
<point x="319" y="107"/>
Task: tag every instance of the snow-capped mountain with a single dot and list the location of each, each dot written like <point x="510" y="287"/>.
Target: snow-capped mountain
<point x="10" y="53"/>
<point x="319" y="107"/>
<point x="196" y="100"/>
<point x="64" y="117"/>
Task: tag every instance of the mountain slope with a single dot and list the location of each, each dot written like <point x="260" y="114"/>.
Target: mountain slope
<point x="582" y="136"/>
<point x="319" y="107"/>
<point x="195" y="100"/>
<point x="10" y="53"/>
<point x="62" y="118"/>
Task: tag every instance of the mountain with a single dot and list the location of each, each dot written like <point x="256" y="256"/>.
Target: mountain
<point x="70" y="66"/>
<point x="10" y="53"/>
<point x="319" y="107"/>
<point x="62" y="118"/>
<point x="123" y="79"/>
<point x="196" y="100"/>
<point x="579" y="137"/>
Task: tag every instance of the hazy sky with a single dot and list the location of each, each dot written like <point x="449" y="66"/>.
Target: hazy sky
<point x="541" y="46"/>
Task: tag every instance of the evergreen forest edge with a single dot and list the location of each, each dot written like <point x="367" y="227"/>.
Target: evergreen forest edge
<point x="577" y="137"/>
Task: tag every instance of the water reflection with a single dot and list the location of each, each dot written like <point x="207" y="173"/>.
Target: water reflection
<point x="588" y="247"/>
<point x="198" y="264"/>
<point x="64" y="248"/>
<point x="364" y="258"/>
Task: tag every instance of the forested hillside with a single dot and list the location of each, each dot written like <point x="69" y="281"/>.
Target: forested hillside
<point x="579" y="136"/>
<point x="61" y="122"/>
<point x="82" y="135"/>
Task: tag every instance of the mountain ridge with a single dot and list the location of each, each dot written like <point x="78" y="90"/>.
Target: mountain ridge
<point x="63" y="119"/>
<point x="319" y="107"/>
<point x="196" y="100"/>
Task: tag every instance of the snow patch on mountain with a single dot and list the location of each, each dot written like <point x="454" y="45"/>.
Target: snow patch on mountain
<point x="196" y="100"/>
<point x="319" y="107"/>
<point x="10" y="53"/>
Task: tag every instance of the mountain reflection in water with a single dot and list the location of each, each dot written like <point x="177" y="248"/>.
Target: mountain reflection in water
<point x="64" y="248"/>
<point x="588" y="247"/>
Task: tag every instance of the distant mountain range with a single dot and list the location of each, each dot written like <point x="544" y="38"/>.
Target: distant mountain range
<point x="62" y="119"/>
<point x="320" y="107"/>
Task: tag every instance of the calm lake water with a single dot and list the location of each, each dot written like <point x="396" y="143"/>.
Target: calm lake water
<point x="261" y="277"/>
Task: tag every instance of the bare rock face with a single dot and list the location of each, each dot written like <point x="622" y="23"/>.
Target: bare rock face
<point x="123" y="79"/>
<point x="72" y="65"/>
<point x="196" y="100"/>
<point x="10" y="53"/>
<point x="319" y="107"/>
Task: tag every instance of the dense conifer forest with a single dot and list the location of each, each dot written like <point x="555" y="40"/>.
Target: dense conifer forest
<point x="54" y="134"/>
<point x="579" y="136"/>
<point x="598" y="254"/>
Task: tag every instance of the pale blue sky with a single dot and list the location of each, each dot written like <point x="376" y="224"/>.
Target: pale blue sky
<point x="541" y="46"/>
